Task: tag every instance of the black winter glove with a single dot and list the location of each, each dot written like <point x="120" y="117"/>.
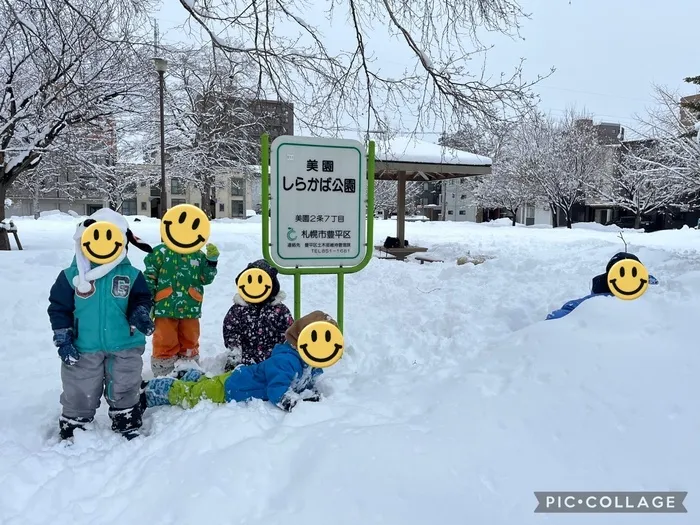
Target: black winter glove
<point x="140" y="319"/>
<point x="287" y="404"/>
<point x="63" y="340"/>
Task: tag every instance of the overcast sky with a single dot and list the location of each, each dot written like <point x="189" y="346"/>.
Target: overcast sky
<point x="607" y="53"/>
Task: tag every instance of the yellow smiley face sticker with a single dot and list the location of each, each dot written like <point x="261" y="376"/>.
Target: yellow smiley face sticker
<point x="254" y="285"/>
<point x="102" y="242"/>
<point x="628" y="279"/>
<point x="185" y="228"/>
<point x="320" y="344"/>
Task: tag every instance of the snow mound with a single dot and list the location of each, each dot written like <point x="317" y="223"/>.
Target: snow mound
<point x="595" y="226"/>
<point x="57" y="215"/>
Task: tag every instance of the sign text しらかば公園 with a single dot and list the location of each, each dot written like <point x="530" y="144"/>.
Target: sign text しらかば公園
<point x="320" y="181"/>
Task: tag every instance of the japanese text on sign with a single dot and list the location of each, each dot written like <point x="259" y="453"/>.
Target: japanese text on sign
<point x="318" y="181"/>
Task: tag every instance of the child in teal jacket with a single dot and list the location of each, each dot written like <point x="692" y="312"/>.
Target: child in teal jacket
<point x="100" y="314"/>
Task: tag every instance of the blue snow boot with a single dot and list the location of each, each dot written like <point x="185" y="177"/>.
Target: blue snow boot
<point x="157" y="391"/>
<point x="192" y="375"/>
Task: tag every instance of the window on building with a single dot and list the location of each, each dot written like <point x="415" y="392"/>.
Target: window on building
<point x="237" y="209"/>
<point x="221" y="206"/>
<point x="462" y="197"/>
<point x="175" y="202"/>
<point x="529" y="215"/>
<point x="177" y="187"/>
<point x="453" y="195"/>
<point x="144" y="206"/>
<point x="237" y="187"/>
<point x="129" y="207"/>
<point x="462" y="212"/>
<point x="450" y="212"/>
<point x="143" y="183"/>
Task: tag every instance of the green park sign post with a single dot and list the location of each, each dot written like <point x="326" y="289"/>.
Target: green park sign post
<point x="318" y="209"/>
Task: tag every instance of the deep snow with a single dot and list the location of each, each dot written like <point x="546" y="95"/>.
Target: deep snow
<point x="455" y="401"/>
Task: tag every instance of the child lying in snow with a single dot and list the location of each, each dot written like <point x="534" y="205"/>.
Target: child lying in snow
<point x="599" y="287"/>
<point x="280" y="379"/>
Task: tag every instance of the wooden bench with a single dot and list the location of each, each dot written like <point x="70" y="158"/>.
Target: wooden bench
<point x="427" y="258"/>
<point x="399" y="253"/>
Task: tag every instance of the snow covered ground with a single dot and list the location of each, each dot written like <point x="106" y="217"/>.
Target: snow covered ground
<point x="454" y="403"/>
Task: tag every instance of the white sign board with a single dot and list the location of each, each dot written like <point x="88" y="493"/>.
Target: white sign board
<point x="318" y="202"/>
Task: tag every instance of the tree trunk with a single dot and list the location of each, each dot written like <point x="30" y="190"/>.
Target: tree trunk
<point x="4" y="239"/>
<point x="208" y="208"/>
<point x="567" y="214"/>
<point x="36" y="206"/>
<point x="514" y="214"/>
<point x="555" y="215"/>
<point x="637" y="220"/>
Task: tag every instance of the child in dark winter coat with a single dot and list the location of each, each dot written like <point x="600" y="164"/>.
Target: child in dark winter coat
<point x="258" y="319"/>
<point x="312" y="342"/>
<point x="99" y="311"/>
<point x="599" y="286"/>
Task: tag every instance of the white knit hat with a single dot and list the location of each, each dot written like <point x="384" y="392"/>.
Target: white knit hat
<point x="85" y="273"/>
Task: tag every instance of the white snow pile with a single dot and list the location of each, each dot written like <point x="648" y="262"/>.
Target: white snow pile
<point x="8" y="203"/>
<point x="57" y="215"/>
<point x="454" y="403"/>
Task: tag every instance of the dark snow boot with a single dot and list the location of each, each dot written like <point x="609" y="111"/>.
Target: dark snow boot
<point x="67" y="425"/>
<point x="128" y="421"/>
<point x="143" y="404"/>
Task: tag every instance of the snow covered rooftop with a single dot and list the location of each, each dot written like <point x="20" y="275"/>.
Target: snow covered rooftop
<point x="406" y="149"/>
<point x="423" y="160"/>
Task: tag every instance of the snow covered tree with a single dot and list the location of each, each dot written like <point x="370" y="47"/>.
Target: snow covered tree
<point x="62" y="62"/>
<point x="637" y="181"/>
<point x="509" y="186"/>
<point x="330" y="81"/>
<point x="386" y="194"/>
<point x="566" y="159"/>
<point x="674" y="129"/>
<point x="210" y="130"/>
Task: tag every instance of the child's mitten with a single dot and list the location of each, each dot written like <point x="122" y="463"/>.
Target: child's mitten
<point x="63" y="340"/>
<point x="287" y="403"/>
<point x="140" y="318"/>
<point x="212" y="252"/>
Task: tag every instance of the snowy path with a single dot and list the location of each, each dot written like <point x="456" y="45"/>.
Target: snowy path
<point x="454" y="403"/>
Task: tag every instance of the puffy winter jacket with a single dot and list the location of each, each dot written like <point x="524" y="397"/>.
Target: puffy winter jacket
<point x="99" y="319"/>
<point x="177" y="281"/>
<point x="270" y="380"/>
<point x="255" y="329"/>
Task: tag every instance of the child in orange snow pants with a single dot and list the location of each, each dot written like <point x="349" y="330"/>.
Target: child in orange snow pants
<point x="177" y="281"/>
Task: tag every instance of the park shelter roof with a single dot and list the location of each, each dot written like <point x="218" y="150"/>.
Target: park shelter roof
<point x="425" y="161"/>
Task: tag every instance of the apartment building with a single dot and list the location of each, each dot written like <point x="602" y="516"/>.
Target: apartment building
<point x="231" y="196"/>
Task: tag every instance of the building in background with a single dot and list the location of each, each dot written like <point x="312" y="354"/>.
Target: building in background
<point x="688" y="116"/>
<point x="232" y="196"/>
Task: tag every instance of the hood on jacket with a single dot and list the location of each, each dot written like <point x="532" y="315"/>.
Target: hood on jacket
<point x="292" y="333"/>
<point x="86" y="270"/>
<point x="599" y="283"/>
<point x="263" y="265"/>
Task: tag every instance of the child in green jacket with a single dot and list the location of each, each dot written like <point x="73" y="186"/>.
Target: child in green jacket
<point x="177" y="282"/>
